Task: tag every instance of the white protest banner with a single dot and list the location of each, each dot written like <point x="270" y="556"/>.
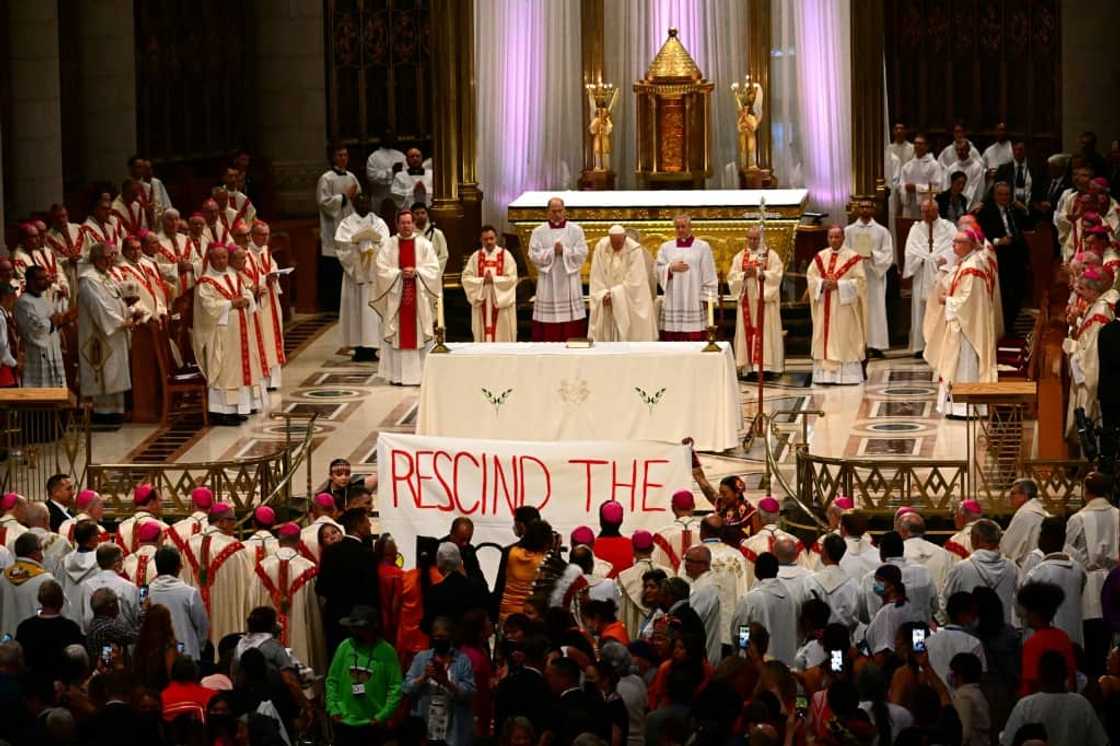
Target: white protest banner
<point x="426" y="481"/>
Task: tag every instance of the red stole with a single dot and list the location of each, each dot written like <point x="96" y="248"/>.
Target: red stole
<point x="66" y="246"/>
<point x="231" y="293"/>
<point x="490" y="325"/>
<point x="282" y="591"/>
<point x="832" y="274"/>
<point x="254" y="274"/>
<point x="1097" y="318"/>
<point x="406" y="318"/>
<point x="263" y="269"/>
<point x="751" y="333"/>
<point x="131" y="221"/>
<point x="141" y="274"/>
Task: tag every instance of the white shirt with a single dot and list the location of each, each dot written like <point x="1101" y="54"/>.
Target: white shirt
<point x="770" y="604"/>
<point x="884" y="626"/>
<point x="837" y="589"/>
<point x="379" y="172"/>
<point x="949" y="154"/>
<point x="685" y="293"/>
<point x="997" y="154"/>
<point x="987" y="568"/>
<point x="947" y="642"/>
<point x="919" y="589"/>
<point x="925" y="174"/>
<point x="127" y="594"/>
<point x="1066" y="573"/>
<point x="1093" y="539"/>
<point x="404" y="187"/>
<point x="903" y="151"/>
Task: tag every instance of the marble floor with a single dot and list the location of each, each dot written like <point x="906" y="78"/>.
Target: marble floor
<point x="891" y="416"/>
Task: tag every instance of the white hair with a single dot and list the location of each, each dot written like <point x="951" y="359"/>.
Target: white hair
<point x="448" y="558"/>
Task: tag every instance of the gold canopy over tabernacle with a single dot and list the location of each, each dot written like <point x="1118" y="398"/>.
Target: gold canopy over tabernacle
<point x="673" y="62"/>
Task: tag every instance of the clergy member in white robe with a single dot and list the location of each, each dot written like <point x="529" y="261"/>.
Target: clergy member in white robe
<point x="753" y="262"/>
<point x="921" y="179"/>
<point x="558" y="250"/>
<point x="140" y="274"/>
<point x="221" y="571"/>
<point x="489" y="281"/>
<point x="104" y="321"/>
<point x="967" y="351"/>
<point x="271" y="316"/>
<point x="381" y="166"/>
<point x="426" y="228"/>
<point x="284" y="581"/>
<point x="929" y="246"/>
<point x="359" y="237"/>
<point x="948" y="154"/>
<point x="224" y="342"/>
<point x="335" y="194"/>
<point x="129" y="209"/>
<point x="985" y="567"/>
<point x="19" y="587"/>
<point x="38" y="322"/>
<point x="899" y="146"/>
<point x="1021" y="536"/>
<point x="837" y="293"/>
<point x="68" y="243"/>
<point x="621" y="303"/>
<point x="1081" y="344"/>
<point x="1060" y="569"/>
<point x="176" y="258"/>
<point x="771" y="604"/>
<point x="686" y="271"/>
<point x="413" y="183"/>
<point x="406" y="285"/>
<point x="973" y="169"/>
<point x="1093" y="539"/>
<point x="100" y="227"/>
<point x="998" y="153"/>
<point x="873" y="242"/>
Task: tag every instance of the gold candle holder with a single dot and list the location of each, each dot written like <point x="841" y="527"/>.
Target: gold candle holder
<point x="439" y="348"/>
<point x="711" y="346"/>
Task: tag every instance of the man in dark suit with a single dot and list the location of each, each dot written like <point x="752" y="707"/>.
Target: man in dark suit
<point x="952" y="203"/>
<point x="1002" y="222"/>
<point x="462" y="531"/>
<point x="1017" y="174"/>
<point x="347" y="576"/>
<point x="524" y="692"/>
<point x="60" y="496"/>
<point x="1108" y="355"/>
<point x="1049" y="192"/>
<point x="456" y="594"/>
<point x="574" y="710"/>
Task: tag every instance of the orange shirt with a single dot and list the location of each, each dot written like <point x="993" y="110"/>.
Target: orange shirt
<point x="616" y="631"/>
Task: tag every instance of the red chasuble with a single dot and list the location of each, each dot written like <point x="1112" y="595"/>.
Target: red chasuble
<point x="615" y="549"/>
<point x="406" y="318"/>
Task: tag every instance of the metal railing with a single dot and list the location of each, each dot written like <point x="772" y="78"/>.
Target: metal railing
<point x="40" y="441"/>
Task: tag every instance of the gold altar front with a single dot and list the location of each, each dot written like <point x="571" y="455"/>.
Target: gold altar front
<point x="724" y="226"/>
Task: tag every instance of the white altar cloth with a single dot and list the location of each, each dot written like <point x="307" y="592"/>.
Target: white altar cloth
<point x="678" y="198"/>
<point x="613" y="391"/>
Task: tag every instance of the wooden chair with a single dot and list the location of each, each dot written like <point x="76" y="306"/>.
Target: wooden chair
<point x="180" y="385"/>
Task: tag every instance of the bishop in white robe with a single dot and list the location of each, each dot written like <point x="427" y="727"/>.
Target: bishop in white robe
<point x="837" y="293"/>
<point x="67" y="241"/>
<point x="921" y="179"/>
<point x="873" y="242"/>
<point x="266" y="277"/>
<point x="558" y="250"/>
<point x="177" y="258"/>
<point x="489" y="281"/>
<point x="129" y="210"/>
<point x="929" y="246"/>
<point x="284" y="582"/>
<point x="359" y="237"/>
<point x="406" y="285"/>
<point x="104" y="321"/>
<point x="101" y="227"/>
<point x="222" y="573"/>
<point x="1081" y="345"/>
<point x="140" y="274"/>
<point x="686" y="271"/>
<point x="753" y="344"/>
<point x="621" y="303"/>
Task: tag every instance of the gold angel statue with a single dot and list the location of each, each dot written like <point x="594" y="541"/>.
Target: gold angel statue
<point x="602" y="97"/>
<point x="748" y="99"/>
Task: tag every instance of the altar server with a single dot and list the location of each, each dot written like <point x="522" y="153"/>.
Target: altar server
<point x="426" y="228"/>
<point x="38" y="322"/>
<point x="406" y="285"/>
<point x="967" y="351"/>
<point x="899" y="146"/>
<point x="104" y="321"/>
<point x="921" y="178"/>
<point x="336" y="192"/>
<point x="221" y="571"/>
<point x="224" y="342"/>
<point x="837" y="292"/>
<point x="357" y="240"/>
<point x="752" y="342"/>
<point x="949" y="152"/>
<point x="558" y="249"/>
<point x="873" y="242"/>
<point x="929" y="247"/>
<point x="621" y="303"/>
<point x="413" y="183"/>
<point x="686" y="271"/>
<point x="381" y="166"/>
<point x="1093" y="539"/>
<point x="489" y="280"/>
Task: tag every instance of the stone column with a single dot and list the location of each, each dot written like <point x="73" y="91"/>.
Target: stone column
<point x="108" y="80"/>
<point x="291" y="101"/>
<point x="36" y="117"/>
<point x="469" y="193"/>
<point x="868" y="146"/>
<point x="447" y="208"/>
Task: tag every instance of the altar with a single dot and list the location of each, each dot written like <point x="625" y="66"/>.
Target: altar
<point x="719" y="216"/>
<point x="663" y="391"/>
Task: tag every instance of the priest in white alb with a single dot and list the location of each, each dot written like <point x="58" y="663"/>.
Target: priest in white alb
<point x="968" y="349"/>
<point x="357" y="240"/>
<point x="621" y="303"/>
<point x="929" y="246"/>
<point x="837" y="292"/>
<point x="271" y="316"/>
<point x="284" y="582"/>
<point x="129" y="209"/>
<point x="101" y="226"/>
<point x="686" y="271"/>
<point x="558" y="250"/>
<point x="223" y="341"/>
<point x="489" y="281"/>
<point x="221" y="571"/>
<point x="1081" y="344"/>
<point x="68" y="243"/>
<point x="104" y="321"/>
<point x="406" y="285"/>
<point x="868" y="238"/>
<point x="921" y="179"/>
<point x="751" y="341"/>
<point x="139" y="272"/>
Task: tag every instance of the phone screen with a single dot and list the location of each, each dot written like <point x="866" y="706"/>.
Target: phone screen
<point x="143" y="593"/>
<point x="180" y="647"/>
<point x="919" y="641"/>
<point x="744" y="636"/>
<point x="107" y="653"/>
<point x="837" y="661"/>
<point x="801" y="705"/>
<point x="864" y="648"/>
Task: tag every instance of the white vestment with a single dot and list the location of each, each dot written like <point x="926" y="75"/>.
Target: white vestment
<point x="920" y="589"/>
<point x="145" y="276"/>
<point x="670" y="543"/>
<point x="973" y="169"/>
<point x="860" y="558"/>
<point x="356" y="243"/>
<point x="935" y="558"/>
<point x="334" y="205"/>
<point x="559" y="295"/>
<point x="439" y="243"/>
<point x="873" y="241"/>
<point x="686" y="293"/>
<point x="133" y="217"/>
<point x="746" y="310"/>
<point x="19" y="593"/>
<point x="948" y="155"/>
<point x="10" y="530"/>
<point x="223" y="575"/>
<point x="379" y="173"/>
<point x="494" y="305"/>
<point x="729" y="573"/>
<point x="631" y="609"/>
<point x="926" y="176"/>
<point x="66" y="244"/>
<point x="285" y="581"/>
<point x="188" y="614"/>
<point x="103" y="341"/>
<point x="1021" y="534"/>
<point x="997" y="154"/>
<point x="770" y="604"/>
<point x="405" y="365"/>
<point x="1067" y="573"/>
<point x="967" y="350"/>
<point x="126" y="537"/>
<point x="270" y="317"/>
<point x="1069" y="719"/>
<point x="839" y="345"/>
<point x="226" y="346"/>
<point x="109" y="232"/>
<point x="259" y="546"/>
<point x="175" y="249"/>
<point x="833" y="586"/>
<point x="404" y="184"/>
<point x="1084" y="362"/>
<point x="55" y="549"/>
<point x="1093" y="539"/>
<point x="309" y="537"/>
<point x="140" y="566"/>
<point x="704" y="599"/>
<point x="179" y="534"/>
<point x="985" y="568"/>
<point x="946" y="642"/>
<point x="78" y="567"/>
<point x="620" y="276"/>
<point x="903" y="151"/>
<point x="926" y="244"/>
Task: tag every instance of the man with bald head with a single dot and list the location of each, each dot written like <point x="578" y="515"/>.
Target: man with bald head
<point x="728" y="569"/>
<point x="104" y="322"/>
<point x="225" y="342"/>
<point x="929" y="248"/>
<point x="54" y="546"/>
<point x="558" y="250"/>
<point x="792" y="575"/>
<point x="752" y="338"/>
<point x="837" y="294"/>
<point x="413" y="183"/>
<point x="686" y="271"/>
<point x="704" y="598"/>
<point x="912" y="528"/>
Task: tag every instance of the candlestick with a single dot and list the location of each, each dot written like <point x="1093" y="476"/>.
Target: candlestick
<point x="711" y="312"/>
<point x="439" y="311"/>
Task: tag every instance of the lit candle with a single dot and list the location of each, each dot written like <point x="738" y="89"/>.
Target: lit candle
<point x="439" y="311"/>
<point x="711" y="311"/>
